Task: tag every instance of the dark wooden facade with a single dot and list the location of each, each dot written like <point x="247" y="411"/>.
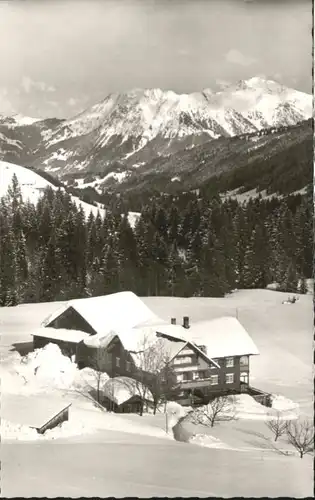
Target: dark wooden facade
<point x="200" y="380"/>
<point x="133" y="405"/>
<point x="71" y="320"/>
<point x="112" y="358"/>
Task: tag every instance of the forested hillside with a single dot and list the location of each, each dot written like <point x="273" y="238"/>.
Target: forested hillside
<point x="181" y="246"/>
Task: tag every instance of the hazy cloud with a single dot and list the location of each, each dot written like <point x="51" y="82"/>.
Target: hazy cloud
<point x="112" y="46"/>
<point x="6" y="107"/>
<point x="222" y="83"/>
<point x="72" y="101"/>
<point x="28" y="85"/>
<point x="234" y="56"/>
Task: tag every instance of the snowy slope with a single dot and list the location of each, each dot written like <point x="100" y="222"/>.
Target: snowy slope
<point x="246" y="449"/>
<point x="33" y="185"/>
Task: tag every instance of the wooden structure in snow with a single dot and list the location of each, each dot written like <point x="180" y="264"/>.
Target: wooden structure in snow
<point x="209" y="358"/>
<point x="125" y="395"/>
<point x="35" y="411"/>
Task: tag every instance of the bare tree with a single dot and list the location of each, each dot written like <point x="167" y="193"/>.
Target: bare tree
<point x="220" y="408"/>
<point x="155" y="376"/>
<point x="164" y="386"/>
<point x="92" y="387"/>
<point x="99" y="362"/>
<point x="300" y="434"/>
<point x="277" y="425"/>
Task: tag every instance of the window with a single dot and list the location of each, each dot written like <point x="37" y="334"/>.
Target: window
<point x="214" y="379"/>
<point x="128" y="366"/>
<point x="229" y="362"/>
<point x="229" y="378"/>
<point x="213" y="366"/>
<point x="244" y="361"/>
<point x="117" y="362"/>
<point x="244" y="377"/>
<point x="184" y="377"/>
<point x="196" y="375"/>
<point x="182" y="360"/>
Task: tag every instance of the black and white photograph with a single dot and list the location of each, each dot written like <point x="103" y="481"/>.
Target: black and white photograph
<point x="156" y="248"/>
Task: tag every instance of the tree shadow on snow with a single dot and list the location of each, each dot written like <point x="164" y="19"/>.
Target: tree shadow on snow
<point x="252" y="433"/>
<point x="263" y="442"/>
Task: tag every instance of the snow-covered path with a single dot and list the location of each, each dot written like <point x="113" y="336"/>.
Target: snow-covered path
<point x="145" y="467"/>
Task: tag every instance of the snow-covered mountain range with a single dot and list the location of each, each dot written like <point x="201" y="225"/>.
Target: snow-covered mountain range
<point x="108" y="141"/>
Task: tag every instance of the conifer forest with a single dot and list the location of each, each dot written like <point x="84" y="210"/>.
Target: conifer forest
<point x="180" y="246"/>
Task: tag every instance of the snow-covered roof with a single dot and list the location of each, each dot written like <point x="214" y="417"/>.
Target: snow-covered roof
<point x="164" y="351"/>
<point x="136" y="339"/>
<point x="175" y="331"/>
<point x="121" y="389"/>
<point x="99" y="340"/>
<point x="222" y="337"/>
<point x="31" y="410"/>
<point x="64" y="334"/>
<point x="117" y="311"/>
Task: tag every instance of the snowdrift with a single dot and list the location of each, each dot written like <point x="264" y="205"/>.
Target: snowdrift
<point x="245" y="407"/>
<point x="208" y="441"/>
<point x="48" y="368"/>
<point x="283" y="404"/>
<point x="13" y="431"/>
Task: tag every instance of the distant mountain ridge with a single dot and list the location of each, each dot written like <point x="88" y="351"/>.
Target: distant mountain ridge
<point x="133" y="134"/>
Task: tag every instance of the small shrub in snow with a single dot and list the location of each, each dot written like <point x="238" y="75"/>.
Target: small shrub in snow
<point x="220" y="408"/>
<point x="300" y="434"/>
<point x="291" y="300"/>
<point x="277" y="425"/>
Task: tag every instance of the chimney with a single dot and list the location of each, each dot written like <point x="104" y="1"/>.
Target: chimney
<point x="186" y="322"/>
<point x="173" y="321"/>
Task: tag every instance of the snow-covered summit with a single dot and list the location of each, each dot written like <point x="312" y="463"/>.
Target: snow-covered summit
<point x="18" y="120"/>
<point x="150" y="112"/>
<point x="112" y="138"/>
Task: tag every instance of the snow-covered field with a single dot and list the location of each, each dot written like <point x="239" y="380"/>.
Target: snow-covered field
<point x="102" y="454"/>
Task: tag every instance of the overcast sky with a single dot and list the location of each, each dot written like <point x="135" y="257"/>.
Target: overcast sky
<point x="59" y="56"/>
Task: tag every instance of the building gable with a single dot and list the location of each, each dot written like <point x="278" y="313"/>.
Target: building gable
<point x="70" y="319"/>
<point x="192" y="357"/>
